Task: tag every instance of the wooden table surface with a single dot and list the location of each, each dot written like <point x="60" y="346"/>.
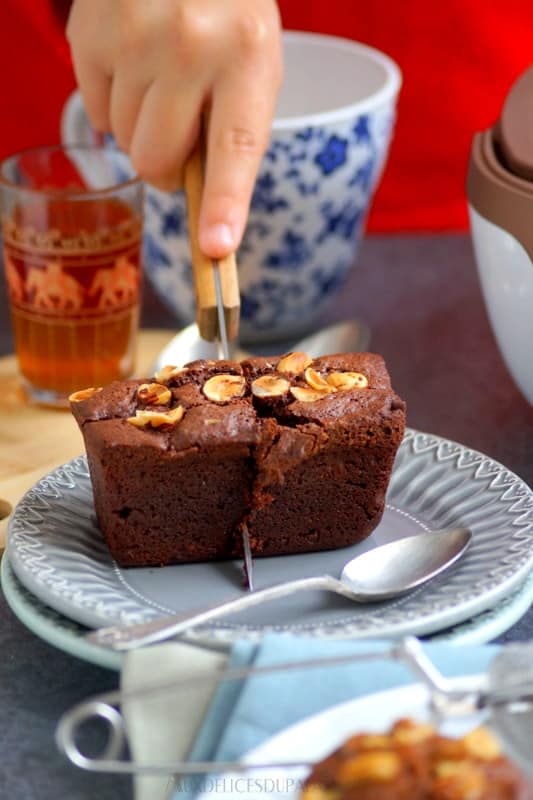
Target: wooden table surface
<point x="34" y="439"/>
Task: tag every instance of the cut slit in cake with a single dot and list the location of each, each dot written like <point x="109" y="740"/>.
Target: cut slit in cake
<point x="298" y="450"/>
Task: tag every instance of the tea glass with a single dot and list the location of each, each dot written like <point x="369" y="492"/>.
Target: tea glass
<point x="72" y="239"/>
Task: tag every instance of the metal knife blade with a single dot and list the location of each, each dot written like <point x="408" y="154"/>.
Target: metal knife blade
<point x="223" y="346"/>
<point x="222" y="331"/>
<point x="248" y="560"/>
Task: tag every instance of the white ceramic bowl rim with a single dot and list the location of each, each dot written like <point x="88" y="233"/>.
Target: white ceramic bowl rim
<point x="385" y="95"/>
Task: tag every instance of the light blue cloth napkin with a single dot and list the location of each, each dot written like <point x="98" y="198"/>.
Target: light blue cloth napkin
<point x="243" y="714"/>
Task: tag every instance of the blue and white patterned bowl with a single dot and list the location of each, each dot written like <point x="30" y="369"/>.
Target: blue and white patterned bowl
<point x="329" y="143"/>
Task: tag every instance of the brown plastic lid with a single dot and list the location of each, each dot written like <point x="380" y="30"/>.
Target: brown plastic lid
<point x="514" y="130"/>
<point x="497" y="194"/>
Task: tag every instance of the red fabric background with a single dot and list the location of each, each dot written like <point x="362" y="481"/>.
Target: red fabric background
<point x="458" y="59"/>
<point x="36" y="74"/>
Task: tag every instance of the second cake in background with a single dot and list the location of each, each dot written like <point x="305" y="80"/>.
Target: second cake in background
<point x="412" y="761"/>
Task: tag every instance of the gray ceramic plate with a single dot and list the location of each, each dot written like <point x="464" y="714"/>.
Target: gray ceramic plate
<point x="50" y="625"/>
<point x="57" y="552"/>
<point x="69" y="636"/>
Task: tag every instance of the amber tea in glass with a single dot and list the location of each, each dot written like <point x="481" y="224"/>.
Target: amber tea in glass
<point x="72" y="228"/>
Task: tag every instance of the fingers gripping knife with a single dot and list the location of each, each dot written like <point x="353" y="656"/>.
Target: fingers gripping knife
<point x="217" y="291"/>
<point x="213" y="318"/>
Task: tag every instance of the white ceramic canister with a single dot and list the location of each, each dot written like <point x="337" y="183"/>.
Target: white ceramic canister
<point x="501" y="217"/>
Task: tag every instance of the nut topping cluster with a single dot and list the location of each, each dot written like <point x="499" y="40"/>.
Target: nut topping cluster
<point x="343" y="381"/>
<point x="168" y="372"/>
<point x="84" y="394"/>
<point x="154" y="394"/>
<point x="157" y="419"/>
<point x="294" y="363"/>
<point x="270" y="386"/>
<point x="224" y="387"/>
<point x="316" y="381"/>
<point x="320" y="385"/>
<point x="306" y="395"/>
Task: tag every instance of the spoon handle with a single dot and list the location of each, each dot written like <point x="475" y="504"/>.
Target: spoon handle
<point x="126" y="637"/>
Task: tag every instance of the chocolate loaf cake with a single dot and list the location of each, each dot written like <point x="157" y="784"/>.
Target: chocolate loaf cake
<point x="413" y="762"/>
<point x="299" y="450"/>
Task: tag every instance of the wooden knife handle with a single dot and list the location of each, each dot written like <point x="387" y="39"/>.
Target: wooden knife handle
<point x="202" y="266"/>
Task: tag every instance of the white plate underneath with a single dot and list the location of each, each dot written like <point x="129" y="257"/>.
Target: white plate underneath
<point x="316" y="737"/>
<point x="57" y="552"/>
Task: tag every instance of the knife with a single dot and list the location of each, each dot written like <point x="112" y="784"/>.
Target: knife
<point x="212" y="311"/>
<point x="216" y="290"/>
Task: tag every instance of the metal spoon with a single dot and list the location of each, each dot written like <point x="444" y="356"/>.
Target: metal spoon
<point x="347" y="336"/>
<point x="379" y="574"/>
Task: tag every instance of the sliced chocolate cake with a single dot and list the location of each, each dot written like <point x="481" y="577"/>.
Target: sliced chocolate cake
<point x="299" y="450"/>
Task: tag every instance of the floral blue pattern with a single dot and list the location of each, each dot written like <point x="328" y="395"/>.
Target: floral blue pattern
<point x="293" y="253"/>
<point x="264" y="198"/>
<point x="311" y="198"/>
<point x="172" y="223"/>
<point x="364" y="175"/>
<point x="333" y="154"/>
<point x="268" y="301"/>
<point x="154" y="254"/>
<point x="340" y="220"/>
<point x="361" y="129"/>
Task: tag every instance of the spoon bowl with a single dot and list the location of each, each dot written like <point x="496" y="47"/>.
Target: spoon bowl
<point x="379" y="574"/>
<point x="398" y="567"/>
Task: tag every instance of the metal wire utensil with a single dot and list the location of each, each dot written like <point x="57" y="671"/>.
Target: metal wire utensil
<point x="507" y="704"/>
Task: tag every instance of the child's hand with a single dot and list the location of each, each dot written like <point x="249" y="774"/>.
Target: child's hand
<point x="148" y="68"/>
